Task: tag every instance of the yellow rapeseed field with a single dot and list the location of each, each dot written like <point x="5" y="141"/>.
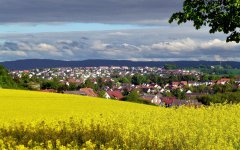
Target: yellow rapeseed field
<point x="35" y="120"/>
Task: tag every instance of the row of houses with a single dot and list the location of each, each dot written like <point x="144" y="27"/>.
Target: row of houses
<point x="152" y="92"/>
<point x="103" y="71"/>
<point x="221" y="81"/>
<point x="157" y="99"/>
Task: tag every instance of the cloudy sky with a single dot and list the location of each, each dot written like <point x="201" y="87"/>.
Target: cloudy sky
<point x="106" y="29"/>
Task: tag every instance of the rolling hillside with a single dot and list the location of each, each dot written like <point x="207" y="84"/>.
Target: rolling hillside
<point x="36" y="120"/>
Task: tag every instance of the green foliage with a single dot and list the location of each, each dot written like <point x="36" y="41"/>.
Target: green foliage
<point x="170" y="66"/>
<point x="61" y="88"/>
<point x="135" y="97"/>
<point x="231" y="97"/>
<point x="73" y="87"/>
<point x="219" y="15"/>
<point x="179" y="94"/>
<point x="6" y="81"/>
<point x="124" y="80"/>
<point x="168" y="94"/>
<point x="50" y="84"/>
<point x="138" y="79"/>
<point x="101" y="93"/>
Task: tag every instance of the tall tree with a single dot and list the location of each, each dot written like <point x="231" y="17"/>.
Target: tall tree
<point x="6" y="81"/>
<point x="219" y="15"/>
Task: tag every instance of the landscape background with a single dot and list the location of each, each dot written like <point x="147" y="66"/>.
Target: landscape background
<point x="47" y="63"/>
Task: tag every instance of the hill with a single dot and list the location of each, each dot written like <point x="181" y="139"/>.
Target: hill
<point x="36" y="120"/>
<point x="47" y="63"/>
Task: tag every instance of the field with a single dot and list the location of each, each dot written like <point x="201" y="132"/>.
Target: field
<point x="35" y="120"/>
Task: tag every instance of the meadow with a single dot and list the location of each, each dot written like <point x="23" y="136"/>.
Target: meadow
<point x="36" y="120"/>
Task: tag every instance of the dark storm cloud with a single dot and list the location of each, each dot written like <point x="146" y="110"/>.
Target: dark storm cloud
<point x="103" y="11"/>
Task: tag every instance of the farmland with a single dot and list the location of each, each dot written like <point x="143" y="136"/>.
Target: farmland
<point x="36" y="120"/>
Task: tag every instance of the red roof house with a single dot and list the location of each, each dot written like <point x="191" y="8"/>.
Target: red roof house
<point x="88" y="92"/>
<point x="223" y="81"/>
<point x="115" y="94"/>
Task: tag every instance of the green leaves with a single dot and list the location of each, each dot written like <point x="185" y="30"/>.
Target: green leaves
<point x="219" y="15"/>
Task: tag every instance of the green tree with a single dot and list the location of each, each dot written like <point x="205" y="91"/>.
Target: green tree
<point x="88" y="83"/>
<point x="102" y="93"/>
<point x="6" y="81"/>
<point x="124" y="80"/>
<point x="50" y="84"/>
<point x="219" y="15"/>
<point x="138" y="79"/>
<point x="133" y="96"/>
<point x="179" y="94"/>
<point x="170" y="66"/>
<point x="73" y="86"/>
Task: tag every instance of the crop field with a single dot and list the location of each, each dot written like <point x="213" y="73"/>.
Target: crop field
<point x="35" y="120"/>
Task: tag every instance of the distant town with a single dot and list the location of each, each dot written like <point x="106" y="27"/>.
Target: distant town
<point x="165" y="86"/>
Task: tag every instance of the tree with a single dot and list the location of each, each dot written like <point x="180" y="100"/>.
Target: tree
<point x="88" y="83"/>
<point x="50" y="84"/>
<point x="102" y="93"/>
<point x="124" y="80"/>
<point x="179" y="94"/>
<point x="6" y="81"/>
<point x="219" y="15"/>
<point x="170" y="66"/>
<point x="133" y="96"/>
<point x="138" y="79"/>
<point x="72" y="86"/>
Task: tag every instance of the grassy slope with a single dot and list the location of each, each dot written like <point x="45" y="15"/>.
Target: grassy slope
<point x="113" y="123"/>
<point x="28" y="105"/>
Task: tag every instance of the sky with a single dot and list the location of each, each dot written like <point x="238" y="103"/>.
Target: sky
<point x="108" y="29"/>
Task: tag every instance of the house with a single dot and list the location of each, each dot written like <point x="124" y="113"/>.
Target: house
<point x="193" y="83"/>
<point x="115" y="94"/>
<point x="155" y="99"/>
<point x="146" y="90"/>
<point x="88" y="92"/>
<point x="167" y="101"/>
<point x="175" y="84"/>
<point x="184" y="83"/>
<point x="107" y="96"/>
<point x="237" y="79"/>
<point x="189" y="92"/>
<point x="223" y="81"/>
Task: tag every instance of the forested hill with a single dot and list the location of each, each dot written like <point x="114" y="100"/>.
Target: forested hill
<point x="47" y="63"/>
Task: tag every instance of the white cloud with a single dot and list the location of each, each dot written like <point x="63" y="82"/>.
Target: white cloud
<point x="99" y="45"/>
<point x="41" y="47"/>
<point x="141" y="45"/>
<point x="218" y="43"/>
<point x="178" y="45"/>
<point x="119" y="34"/>
<point x="130" y="46"/>
<point x="189" y="44"/>
<point x="46" y="47"/>
<point x="10" y="53"/>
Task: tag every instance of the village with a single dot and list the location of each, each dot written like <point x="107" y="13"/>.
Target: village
<point x="158" y="86"/>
